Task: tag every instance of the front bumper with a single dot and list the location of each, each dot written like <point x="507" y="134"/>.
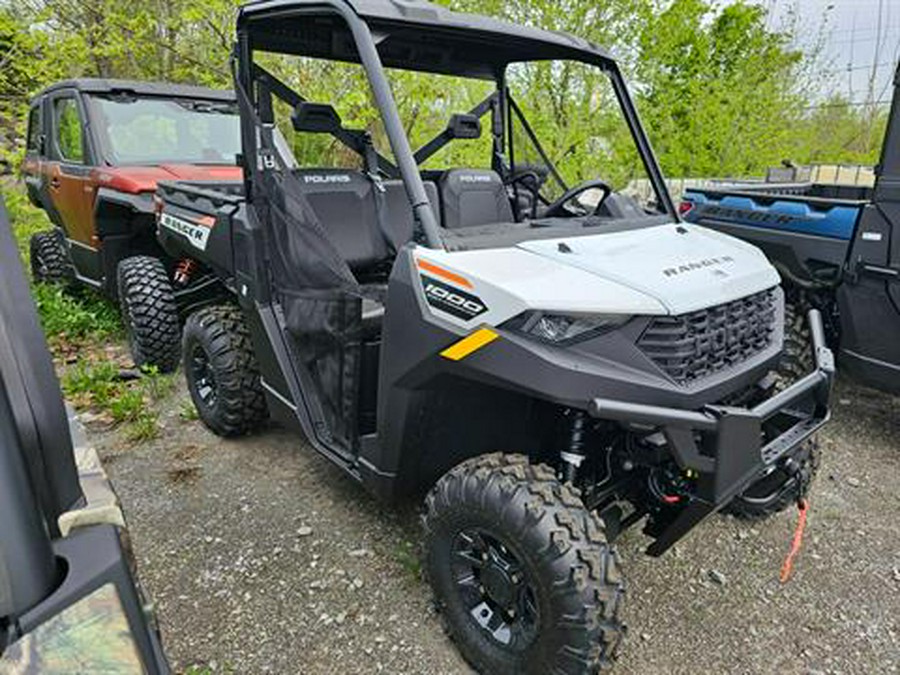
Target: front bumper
<point x="729" y="447"/>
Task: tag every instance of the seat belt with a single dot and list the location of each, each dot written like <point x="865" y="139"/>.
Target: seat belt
<point x="371" y="161"/>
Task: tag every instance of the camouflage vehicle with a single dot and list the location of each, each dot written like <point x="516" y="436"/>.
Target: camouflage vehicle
<point x="69" y="602"/>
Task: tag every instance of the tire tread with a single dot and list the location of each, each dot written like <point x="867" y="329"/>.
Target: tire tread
<point x="585" y="576"/>
<point x="49" y="259"/>
<point x="241" y="405"/>
<point x="150" y="313"/>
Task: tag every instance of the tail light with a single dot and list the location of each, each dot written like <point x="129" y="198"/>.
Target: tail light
<point x="685" y="207"/>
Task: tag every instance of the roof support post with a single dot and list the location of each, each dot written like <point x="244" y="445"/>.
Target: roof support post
<point x="381" y="89"/>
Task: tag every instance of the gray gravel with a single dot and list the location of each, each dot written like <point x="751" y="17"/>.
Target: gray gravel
<point x="262" y="557"/>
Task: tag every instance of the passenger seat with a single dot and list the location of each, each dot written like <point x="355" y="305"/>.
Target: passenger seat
<point x="398" y="214"/>
<point x="471" y="197"/>
<point x="344" y="203"/>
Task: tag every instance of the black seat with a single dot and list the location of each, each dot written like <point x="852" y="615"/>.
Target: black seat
<point x="398" y="215"/>
<point x="344" y="203"/>
<point x="471" y="197"/>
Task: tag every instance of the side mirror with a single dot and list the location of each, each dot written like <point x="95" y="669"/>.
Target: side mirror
<point x="464" y="126"/>
<point x="318" y="118"/>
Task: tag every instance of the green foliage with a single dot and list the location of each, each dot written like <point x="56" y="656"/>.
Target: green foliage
<point x="721" y="92"/>
<point x="68" y="121"/>
<point x="73" y="317"/>
<point x="127" y="407"/>
<point x="157" y="384"/>
<point x="144" y="428"/>
<point x="26" y="220"/>
<point x="99" y="386"/>
<point x="188" y="411"/>
<point x="69" y="318"/>
<point x="718" y="99"/>
<point x="408" y="556"/>
<point x="92" y="385"/>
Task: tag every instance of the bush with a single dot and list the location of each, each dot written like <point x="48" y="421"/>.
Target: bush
<point x="68" y="318"/>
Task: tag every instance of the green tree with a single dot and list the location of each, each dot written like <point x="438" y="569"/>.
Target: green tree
<point x="720" y="92"/>
<point x="717" y="89"/>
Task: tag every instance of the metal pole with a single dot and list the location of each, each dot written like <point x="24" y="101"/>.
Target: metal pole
<point x="381" y="89"/>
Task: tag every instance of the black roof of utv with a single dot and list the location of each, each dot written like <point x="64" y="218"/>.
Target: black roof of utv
<point x="410" y="34"/>
<point x="92" y="85"/>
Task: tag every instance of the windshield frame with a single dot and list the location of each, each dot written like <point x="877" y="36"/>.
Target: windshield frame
<point x="360" y="32"/>
<point x="103" y="144"/>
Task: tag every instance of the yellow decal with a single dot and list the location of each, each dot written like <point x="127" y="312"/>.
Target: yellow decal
<point x="469" y="344"/>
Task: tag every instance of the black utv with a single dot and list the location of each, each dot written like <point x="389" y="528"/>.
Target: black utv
<point x="549" y="358"/>
<point x="837" y="248"/>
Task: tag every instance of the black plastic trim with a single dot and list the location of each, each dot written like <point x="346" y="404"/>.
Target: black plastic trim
<point x="735" y="434"/>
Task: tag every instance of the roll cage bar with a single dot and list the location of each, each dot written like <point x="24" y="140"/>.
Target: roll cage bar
<point x="268" y="85"/>
<point x="256" y="85"/>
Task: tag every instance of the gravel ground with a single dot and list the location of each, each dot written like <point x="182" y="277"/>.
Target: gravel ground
<point x="261" y="557"/>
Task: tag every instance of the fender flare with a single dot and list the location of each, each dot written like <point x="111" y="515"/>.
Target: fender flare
<point x="109" y="205"/>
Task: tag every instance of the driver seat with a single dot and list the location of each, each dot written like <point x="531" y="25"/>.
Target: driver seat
<point x="471" y="197"/>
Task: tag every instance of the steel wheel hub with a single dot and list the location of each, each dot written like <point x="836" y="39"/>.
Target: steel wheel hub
<point x="494" y="589"/>
<point x="204" y="378"/>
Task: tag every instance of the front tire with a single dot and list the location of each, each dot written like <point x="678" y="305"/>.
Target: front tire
<point x="222" y="373"/>
<point x="49" y="258"/>
<point x="522" y="573"/>
<point x="150" y="313"/>
<point x="797" y="359"/>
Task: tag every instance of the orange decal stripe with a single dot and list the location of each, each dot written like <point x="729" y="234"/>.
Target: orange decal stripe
<point x="445" y="274"/>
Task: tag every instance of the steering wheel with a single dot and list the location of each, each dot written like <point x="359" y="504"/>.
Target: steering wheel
<point x="531" y="181"/>
<point x="557" y="208"/>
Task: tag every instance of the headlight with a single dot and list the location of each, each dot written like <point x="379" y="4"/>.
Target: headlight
<point x="564" y="328"/>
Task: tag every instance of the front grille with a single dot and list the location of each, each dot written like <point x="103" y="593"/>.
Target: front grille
<point x="693" y="346"/>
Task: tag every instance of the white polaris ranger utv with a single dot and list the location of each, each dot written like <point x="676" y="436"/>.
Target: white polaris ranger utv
<point x="546" y="356"/>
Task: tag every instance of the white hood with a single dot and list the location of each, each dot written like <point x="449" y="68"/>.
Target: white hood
<point x="666" y="269"/>
<point x="684" y="267"/>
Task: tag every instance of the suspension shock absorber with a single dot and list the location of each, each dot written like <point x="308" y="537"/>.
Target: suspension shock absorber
<point x="574" y="455"/>
<point x="183" y="271"/>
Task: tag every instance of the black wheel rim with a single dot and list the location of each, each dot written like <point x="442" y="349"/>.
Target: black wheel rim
<point x="495" y="589"/>
<point x="204" y="379"/>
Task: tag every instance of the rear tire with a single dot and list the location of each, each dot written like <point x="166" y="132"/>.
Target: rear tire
<point x="150" y="313"/>
<point x="49" y="258"/>
<point x="777" y="490"/>
<point x="222" y="373"/>
<point x="522" y="573"/>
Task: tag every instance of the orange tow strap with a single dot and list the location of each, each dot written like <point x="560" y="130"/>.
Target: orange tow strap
<point x="797" y="542"/>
